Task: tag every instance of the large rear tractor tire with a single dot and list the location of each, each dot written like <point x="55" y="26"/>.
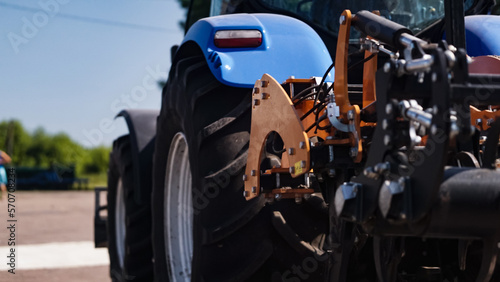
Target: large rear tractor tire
<point x="129" y="224"/>
<point x="203" y="228"/>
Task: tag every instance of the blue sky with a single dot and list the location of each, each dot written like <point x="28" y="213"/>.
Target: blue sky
<point x="71" y="65"/>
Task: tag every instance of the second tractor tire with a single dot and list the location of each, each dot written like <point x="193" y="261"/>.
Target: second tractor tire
<point x="129" y="224"/>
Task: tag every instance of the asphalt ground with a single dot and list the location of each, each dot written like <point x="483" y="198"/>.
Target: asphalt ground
<point x="53" y="233"/>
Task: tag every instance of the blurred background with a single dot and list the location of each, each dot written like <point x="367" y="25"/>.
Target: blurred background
<point x="67" y="68"/>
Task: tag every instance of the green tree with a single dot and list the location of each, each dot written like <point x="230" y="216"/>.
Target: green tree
<point x="67" y="152"/>
<point x="97" y="160"/>
<point x="39" y="152"/>
<point x="44" y="150"/>
<point x="15" y="141"/>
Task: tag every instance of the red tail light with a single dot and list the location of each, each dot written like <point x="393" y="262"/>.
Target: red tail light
<point x="238" y="38"/>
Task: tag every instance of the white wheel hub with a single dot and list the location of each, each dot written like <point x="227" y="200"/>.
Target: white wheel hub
<point x="178" y="211"/>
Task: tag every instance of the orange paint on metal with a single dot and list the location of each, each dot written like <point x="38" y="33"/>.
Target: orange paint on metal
<point x="369" y="86"/>
<point x="338" y="142"/>
<point x="274" y="112"/>
<point x="341" y="56"/>
<point x="305" y="106"/>
<point x="289" y="193"/>
<point x="340" y="87"/>
<point x="369" y="70"/>
<point x="300" y="80"/>
<point x="485" y="65"/>
<point x="276" y="170"/>
<point x="486" y="117"/>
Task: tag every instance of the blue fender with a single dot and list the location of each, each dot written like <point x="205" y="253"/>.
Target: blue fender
<point x="482" y="35"/>
<point x="289" y="48"/>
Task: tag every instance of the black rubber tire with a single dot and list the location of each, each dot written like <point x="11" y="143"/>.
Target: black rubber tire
<point x="138" y="264"/>
<point x="234" y="239"/>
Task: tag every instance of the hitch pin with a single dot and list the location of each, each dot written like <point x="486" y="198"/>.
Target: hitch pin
<point x="374" y="46"/>
<point x="393" y="55"/>
<point x="415" y="113"/>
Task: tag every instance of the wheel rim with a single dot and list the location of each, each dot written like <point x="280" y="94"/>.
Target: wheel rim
<point x="178" y="214"/>
<point x="120" y="223"/>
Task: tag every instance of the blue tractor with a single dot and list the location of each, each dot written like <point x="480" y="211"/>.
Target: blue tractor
<point x="315" y="140"/>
